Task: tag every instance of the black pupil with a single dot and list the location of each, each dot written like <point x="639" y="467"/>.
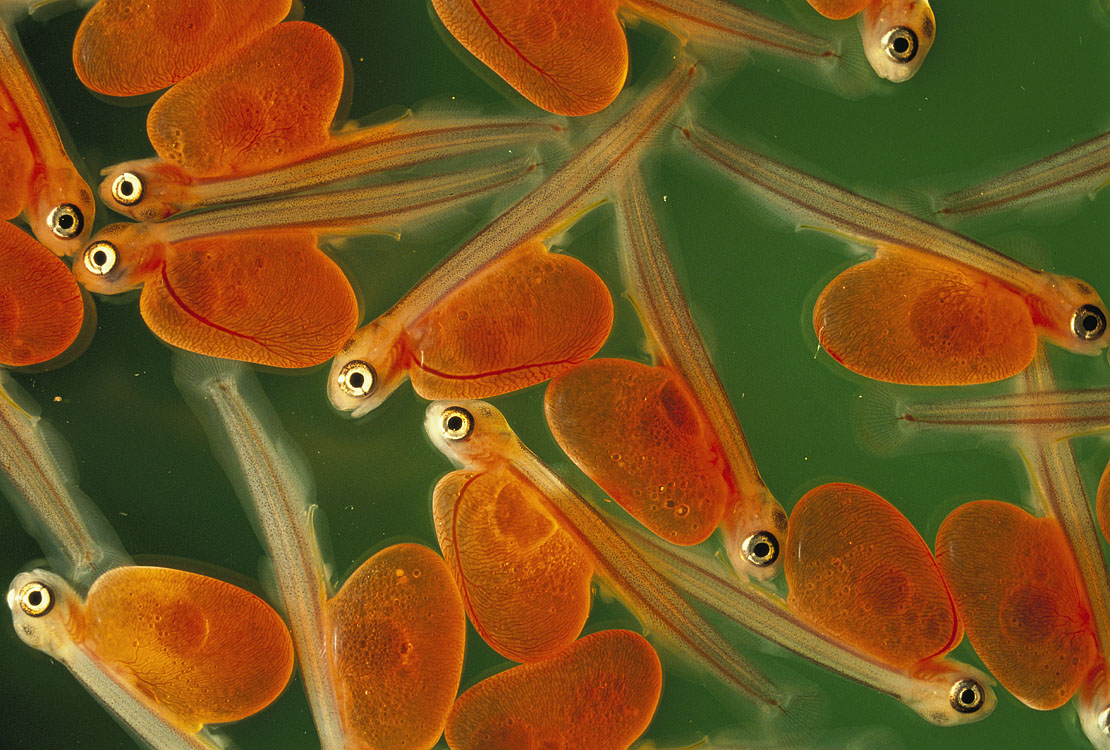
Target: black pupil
<point x="967" y="697"/>
<point x="355" y="379"/>
<point x="65" y="221"/>
<point x="901" y="45"/>
<point x="454" y="423"/>
<point x="1090" y="322"/>
<point x="100" y="258"/>
<point x="125" y="187"/>
<point x="762" y="549"/>
<point x="34" y="598"/>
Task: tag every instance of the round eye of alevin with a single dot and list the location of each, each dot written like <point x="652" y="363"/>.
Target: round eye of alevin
<point x="100" y="258"/>
<point x="760" y="549"/>
<point x="966" y="696"/>
<point x="1104" y="721"/>
<point x="66" y="221"/>
<point x="456" y="423"/>
<point x="900" y="44"/>
<point x="127" y="189"/>
<point x="36" y="599"/>
<point x="357" y="379"/>
<point x="1088" y="322"/>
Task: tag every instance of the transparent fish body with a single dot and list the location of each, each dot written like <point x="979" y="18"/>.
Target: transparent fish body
<point x="490" y="445"/>
<point x="1083" y="169"/>
<point x="1059" y="305"/>
<point x="275" y="485"/>
<point x="388" y="208"/>
<point x="725" y="26"/>
<point x="41" y="483"/>
<point x="164" y="650"/>
<point x="153" y="189"/>
<point x="1048" y="413"/>
<point x="676" y="343"/>
<point x="582" y="182"/>
<point x="55" y="199"/>
<point x="392" y="635"/>
<point x="931" y="691"/>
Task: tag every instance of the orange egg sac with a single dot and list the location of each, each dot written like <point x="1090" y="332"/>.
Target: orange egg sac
<point x="41" y="308"/>
<point x="639" y="433"/>
<point x="600" y="693"/>
<point x="569" y="57"/>
<point x="524" y="581"/>
<point x="1028" y="618"/>
<point x="128" y="47"/>
<point x="206" y="650"/>
<point x="522" y="319"/>
<point x="859" y="570"/>
<point x="397" y="649"/>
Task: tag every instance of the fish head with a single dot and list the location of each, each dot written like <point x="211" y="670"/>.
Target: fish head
<point x="897" y="35"/>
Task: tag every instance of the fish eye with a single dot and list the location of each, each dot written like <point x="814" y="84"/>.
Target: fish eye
<point x="100" y="258"/>
<point x="1104" y="721"/>
<point x="760" y="549"/>
<point x="357" y="379"/>
<point x="127" y="189"/>
<point x="966" y="696"/>
<point x="66" y="221"/>
<point x="900" y="44"/>
<point x="1088" y="322"/>
<point x="456" y="423"/>
<point x="35" y="599"/>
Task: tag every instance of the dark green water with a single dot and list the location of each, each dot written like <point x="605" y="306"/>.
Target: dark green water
<point x="1001" y="86"/>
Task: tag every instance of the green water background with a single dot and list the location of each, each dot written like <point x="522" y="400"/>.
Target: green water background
<point x="1002" y="85"/>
